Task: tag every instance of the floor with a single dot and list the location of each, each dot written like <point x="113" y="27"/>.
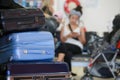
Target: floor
<point x="79" y="71"/>
<point x="77" y="67"/>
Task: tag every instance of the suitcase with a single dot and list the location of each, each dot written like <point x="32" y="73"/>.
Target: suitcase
<point x="38" y="71"/>
<point x="27" y="46"/>
<point x="17" y="20"/>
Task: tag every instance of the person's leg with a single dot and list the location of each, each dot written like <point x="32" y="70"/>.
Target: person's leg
<point x="64" y="53"/>
<point x="60" y="57"/>
<point x="71" y="50"/>
<point x="67" y="59"/>
<point x="60" y="52"/>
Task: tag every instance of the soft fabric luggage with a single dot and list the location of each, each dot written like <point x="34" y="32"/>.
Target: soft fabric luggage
<point x="17" y="20"/>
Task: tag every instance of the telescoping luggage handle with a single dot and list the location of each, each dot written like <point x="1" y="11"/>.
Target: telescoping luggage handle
<point x="44" y="52"/>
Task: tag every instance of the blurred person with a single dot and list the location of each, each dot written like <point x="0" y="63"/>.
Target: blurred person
<point x="52" y="22"/>
<point x="58" y="15"/>
<point x="72" y="38"/>
<point x="47" y="7"/>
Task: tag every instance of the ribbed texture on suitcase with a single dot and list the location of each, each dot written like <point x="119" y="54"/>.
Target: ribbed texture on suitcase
<point x="37" y="68"/>
<point x="27" y="46"/>
<point x="38" y="71"/>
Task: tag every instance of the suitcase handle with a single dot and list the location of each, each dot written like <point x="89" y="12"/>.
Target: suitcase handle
<point x="35" y="52"/>
<point x="25" y="23"/>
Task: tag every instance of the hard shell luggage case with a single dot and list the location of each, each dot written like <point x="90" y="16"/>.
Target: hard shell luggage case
<point x="15" y="20"/>
<point x="38" y="71"/>
<point x="27" y="46"/>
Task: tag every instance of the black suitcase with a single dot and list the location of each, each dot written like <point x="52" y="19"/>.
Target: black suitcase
<point x="16" y="20"/>
<point x="38" y="71"/>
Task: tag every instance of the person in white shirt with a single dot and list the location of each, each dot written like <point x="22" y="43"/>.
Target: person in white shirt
<point x="72" y="38"/>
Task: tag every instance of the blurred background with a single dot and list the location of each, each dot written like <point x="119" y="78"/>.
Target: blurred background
<point x="97" y="14"/>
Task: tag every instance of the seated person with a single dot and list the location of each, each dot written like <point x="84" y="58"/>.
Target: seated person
<point x="72" y="38"/>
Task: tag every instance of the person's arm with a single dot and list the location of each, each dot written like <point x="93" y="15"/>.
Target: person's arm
<point x="81" y="37"/>
<point x="64" y="38"/>
<point x="51" y="9"/>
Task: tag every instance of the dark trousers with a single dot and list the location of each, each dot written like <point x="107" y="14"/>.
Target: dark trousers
<point x="69" y="50"/>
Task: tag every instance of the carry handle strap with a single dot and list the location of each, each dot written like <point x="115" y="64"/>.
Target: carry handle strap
<point x="71" y="31"/>
<point x="70" y="27"/>
<point x="42" y="52"/>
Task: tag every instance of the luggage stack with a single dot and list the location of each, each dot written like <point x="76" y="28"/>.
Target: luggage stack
<point x="27" y="51"/>
<point x="20" y="35"/>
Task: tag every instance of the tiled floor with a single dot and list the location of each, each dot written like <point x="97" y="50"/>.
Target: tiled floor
<point x="78" y="63"/>
<point x="79" y="71"/>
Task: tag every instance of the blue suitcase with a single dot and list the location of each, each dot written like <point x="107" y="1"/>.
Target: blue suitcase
<point x="27" y="46"/>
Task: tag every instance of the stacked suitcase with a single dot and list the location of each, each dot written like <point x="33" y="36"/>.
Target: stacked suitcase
<point x="20" y="20"/>
<point x="41" y="71"/>
<point x="28" y="52"/>
<point x="27" y="46"/>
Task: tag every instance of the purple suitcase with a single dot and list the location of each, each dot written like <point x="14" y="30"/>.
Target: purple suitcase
<point x="38" y="71"/>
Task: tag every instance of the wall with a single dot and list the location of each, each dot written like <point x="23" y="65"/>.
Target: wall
<point x="98" y="14"/>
